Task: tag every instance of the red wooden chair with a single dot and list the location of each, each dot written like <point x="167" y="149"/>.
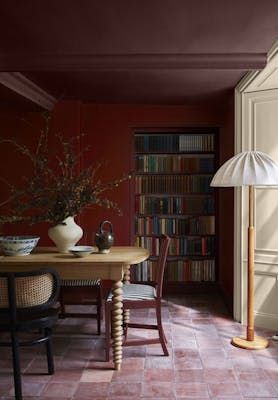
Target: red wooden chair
<point x="136" y="296"/>
<point x="81" y="292"/>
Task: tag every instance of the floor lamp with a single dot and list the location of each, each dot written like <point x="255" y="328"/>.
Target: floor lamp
<point x="250" y="168"/>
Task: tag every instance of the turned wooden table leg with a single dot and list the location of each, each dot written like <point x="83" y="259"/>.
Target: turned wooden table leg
<point x="126" y="281"/>
<point x="117" y="324"/>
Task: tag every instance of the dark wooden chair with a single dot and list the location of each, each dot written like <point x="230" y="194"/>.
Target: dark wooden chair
<point x="136" y="296"/>
<point x="27" y="301"/>
<point x="81" y="292"/>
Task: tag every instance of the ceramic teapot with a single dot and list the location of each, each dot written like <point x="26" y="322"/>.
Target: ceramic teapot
<point x="104" y="239"/>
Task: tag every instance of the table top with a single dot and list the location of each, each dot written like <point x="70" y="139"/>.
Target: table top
<point x="106" y="266"/>
<point x="118" y="254"/>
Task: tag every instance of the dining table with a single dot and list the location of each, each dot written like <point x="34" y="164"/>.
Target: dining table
<point x="113" y="266"/>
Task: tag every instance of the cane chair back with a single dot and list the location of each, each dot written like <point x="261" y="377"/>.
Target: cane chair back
<point x="27" y="304"/>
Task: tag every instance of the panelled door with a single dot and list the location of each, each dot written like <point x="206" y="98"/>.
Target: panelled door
<point x="259" y="127"/>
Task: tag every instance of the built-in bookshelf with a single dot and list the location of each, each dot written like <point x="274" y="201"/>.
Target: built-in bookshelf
<point x="173" y="196"/>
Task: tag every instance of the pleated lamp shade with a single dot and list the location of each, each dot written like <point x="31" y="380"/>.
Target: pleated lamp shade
<point x="247" y="168"/>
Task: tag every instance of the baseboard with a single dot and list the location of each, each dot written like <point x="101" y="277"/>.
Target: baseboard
<point x="228" y="300"/>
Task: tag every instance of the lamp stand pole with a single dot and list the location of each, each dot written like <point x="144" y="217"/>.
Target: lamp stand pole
<point x="250" y="342"/>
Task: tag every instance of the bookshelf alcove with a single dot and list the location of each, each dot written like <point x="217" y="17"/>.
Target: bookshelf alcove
<point x="172" y="195"/>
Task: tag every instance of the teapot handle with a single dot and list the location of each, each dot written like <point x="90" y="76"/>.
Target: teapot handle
<point x="108" y="223"/>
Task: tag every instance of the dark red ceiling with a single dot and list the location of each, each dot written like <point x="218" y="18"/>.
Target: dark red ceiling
<point x="153" y="51"/>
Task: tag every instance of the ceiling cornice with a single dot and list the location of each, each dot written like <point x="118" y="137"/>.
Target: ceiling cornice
<point x="26" y="88"/>
<point x="86" y="62"/>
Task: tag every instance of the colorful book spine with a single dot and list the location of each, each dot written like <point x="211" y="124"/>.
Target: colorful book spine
<point x="178" y="271"/>
<point x="203" y="225"/>
<point x="148" y="184"/>
<point x="176" y="164"/>
<point x="181" y="246"/>
<point x="201" y="204"/>
<point x="174" y="142"/>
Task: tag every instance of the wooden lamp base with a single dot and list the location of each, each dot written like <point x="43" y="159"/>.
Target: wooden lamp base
<point x="250" y="342"/>
<point x="259" y="343"/>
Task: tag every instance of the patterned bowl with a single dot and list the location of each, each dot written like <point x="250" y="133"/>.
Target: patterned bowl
<point x="18" y="245"/>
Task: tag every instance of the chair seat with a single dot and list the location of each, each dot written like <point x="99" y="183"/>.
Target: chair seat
<point x="80" y="282"/>
<point x="134" y="291"/>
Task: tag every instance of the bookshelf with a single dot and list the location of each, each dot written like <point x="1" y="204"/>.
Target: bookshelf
<point x="173" y="196"/>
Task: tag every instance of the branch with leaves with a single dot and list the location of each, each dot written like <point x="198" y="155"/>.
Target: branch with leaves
<point x="57" y="189"/>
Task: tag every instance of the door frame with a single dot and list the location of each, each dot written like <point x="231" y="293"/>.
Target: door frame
<point x="253" y="81"/>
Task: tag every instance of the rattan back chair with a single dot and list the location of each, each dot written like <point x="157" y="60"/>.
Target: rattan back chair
<point x="27" y="304"/>
<point x="136" y="296"/>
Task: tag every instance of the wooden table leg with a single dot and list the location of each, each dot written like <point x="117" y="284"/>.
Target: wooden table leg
<point x="126" y="281"/>
<point x="127" y="275"/>
<point x="117" y="324"/>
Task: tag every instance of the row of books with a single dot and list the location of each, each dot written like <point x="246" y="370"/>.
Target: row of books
<point x="177" y="271"/>
<point x="193" y="270"/>
<point x="177" y="163"/>
<point x="174" y="142"/>
<point x="174" y="205"/>
<point x="182" y="246"/>
<point x="173" y="184"/>
<point x="196" y="143"/>
<point x="176" y="226"/>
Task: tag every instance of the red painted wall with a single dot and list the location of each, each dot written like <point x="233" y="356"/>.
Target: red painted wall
<point x="226" y="208"/>
<point x="25" y="128"/>
<point x="108" y="130"/>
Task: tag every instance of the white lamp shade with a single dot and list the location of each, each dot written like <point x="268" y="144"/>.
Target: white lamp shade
<point x="247" y="168"/>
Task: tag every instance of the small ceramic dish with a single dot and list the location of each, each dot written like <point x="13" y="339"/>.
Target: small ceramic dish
<point x="81" y="251"/>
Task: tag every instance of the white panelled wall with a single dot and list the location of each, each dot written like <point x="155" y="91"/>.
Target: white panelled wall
<point x="257" y="129"/>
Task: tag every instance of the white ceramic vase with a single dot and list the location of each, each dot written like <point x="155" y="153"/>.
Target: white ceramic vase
<point x="65" y="235"/>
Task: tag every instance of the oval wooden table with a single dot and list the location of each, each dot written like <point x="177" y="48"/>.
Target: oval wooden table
<point x="113" y="266"/>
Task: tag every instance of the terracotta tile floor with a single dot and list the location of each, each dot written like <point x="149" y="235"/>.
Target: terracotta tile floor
<point x="202" y="362"/>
